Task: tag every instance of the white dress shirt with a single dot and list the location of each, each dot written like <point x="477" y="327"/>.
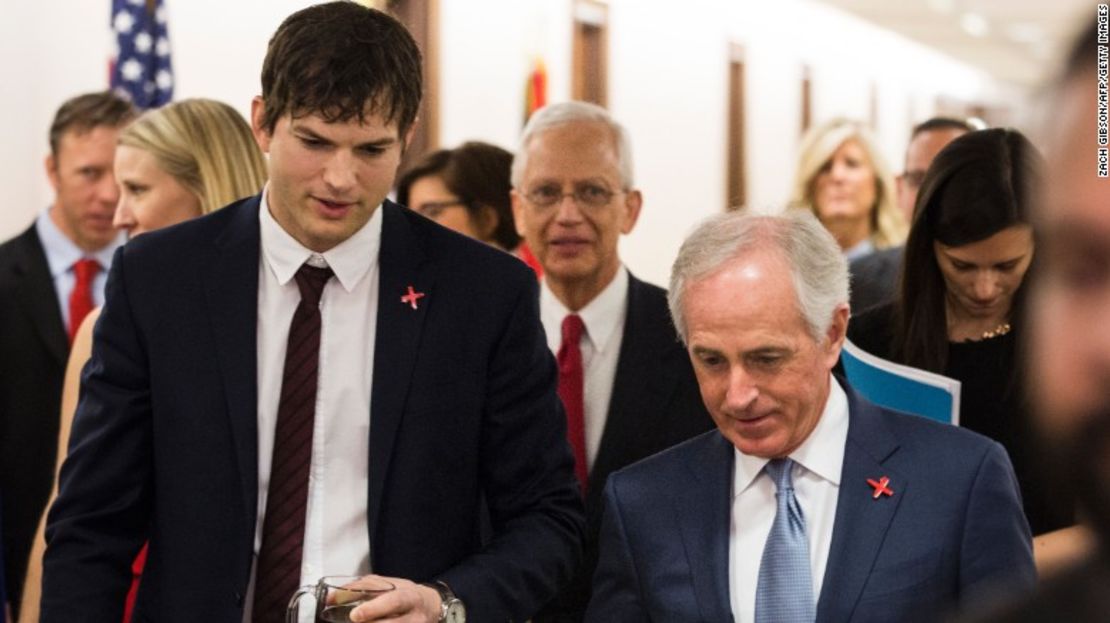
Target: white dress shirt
<point x="336" y="539"/>
<point x="817" y="467"/>
<point x="62" y="253"/>
<point x="601" y="348"/>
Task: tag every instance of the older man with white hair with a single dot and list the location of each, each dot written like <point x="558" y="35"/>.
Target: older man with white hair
<point x="807" y="503"/>
<point x="624" y="378"/>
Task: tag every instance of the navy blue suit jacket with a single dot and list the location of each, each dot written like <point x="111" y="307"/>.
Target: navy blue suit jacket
<point x="470" y="477"/>
<point x="952" y="530"/>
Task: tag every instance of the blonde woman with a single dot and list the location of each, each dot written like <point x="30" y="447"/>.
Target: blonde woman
<point x="844" y="180"/>
<point x="172" y="164"/>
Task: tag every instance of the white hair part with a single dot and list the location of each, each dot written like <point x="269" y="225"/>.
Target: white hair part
<point x="565" y="113"/>
<point x="818" y="268"/>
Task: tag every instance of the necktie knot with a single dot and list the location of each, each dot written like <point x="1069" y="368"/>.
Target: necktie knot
<point x="85" y="269"/>
<point x="81" y="296"/>
<point x="781" y="471"/>
<point x="311" y="282"/>
<point x="573" y="327"/>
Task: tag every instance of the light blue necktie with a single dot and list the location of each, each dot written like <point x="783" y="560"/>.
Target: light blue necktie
<point x="784" y="593"/>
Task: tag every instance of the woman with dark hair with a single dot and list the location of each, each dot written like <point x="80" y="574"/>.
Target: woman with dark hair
<point x="961" y="304"/>
<point x="466" y="189"/>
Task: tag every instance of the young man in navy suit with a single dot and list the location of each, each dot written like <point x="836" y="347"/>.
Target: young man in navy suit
<point x="315" y="381"/>
<point x="573" y="199"/>
<point x="808" y="503"/>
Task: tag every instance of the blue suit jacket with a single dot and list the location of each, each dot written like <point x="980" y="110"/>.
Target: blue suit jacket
<point x="953" y="529"/>
<point x="470" y="477"/>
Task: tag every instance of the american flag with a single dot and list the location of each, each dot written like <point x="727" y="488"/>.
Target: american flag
<point x="141" y="69"/>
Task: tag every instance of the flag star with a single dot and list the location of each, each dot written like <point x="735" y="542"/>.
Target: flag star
<point x="162" y="48"/>
<point x="143" y="43"/>
<point x="148" y="87"/>
<point x="164" y="79"/>
<point x="131" y="70"/>
<point x="123" y="22"/>
<point x="160" y="15"/>
<point x="136" y="2"/>
<point x="122" y="92"/>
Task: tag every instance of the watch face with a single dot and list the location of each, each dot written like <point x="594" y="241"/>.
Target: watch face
<point x="456" y="612"/>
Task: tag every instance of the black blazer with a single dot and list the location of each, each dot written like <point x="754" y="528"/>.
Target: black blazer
<point x="464" y="419"/>
<point x="33" y="351"/>
<point x="655" y="404"/>
<point x="875" y="278"/>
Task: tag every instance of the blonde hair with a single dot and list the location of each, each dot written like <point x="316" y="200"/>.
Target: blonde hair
<point x="888" y="226"/>
<point x="205" y="145"/>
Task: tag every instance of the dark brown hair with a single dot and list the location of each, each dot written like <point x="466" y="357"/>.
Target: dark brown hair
<point x="342" y="61"/>
<point x="478" y="174"/>
<point x="980" y="184"/>
<point x="941" y="123"/>
<point x="85" y="112"/>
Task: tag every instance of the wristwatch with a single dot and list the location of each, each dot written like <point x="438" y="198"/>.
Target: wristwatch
<point x="452" y="609"/>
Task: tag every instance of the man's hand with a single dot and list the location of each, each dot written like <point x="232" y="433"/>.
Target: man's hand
<point x="409" y="602"/>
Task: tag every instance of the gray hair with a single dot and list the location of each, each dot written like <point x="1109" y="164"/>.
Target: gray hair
<point x="819" y="270"/>
<point x="573" y="112"/>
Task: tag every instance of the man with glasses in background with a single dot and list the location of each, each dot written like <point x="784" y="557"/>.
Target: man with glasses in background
<point x="626" y="383"/>
<point x="875" y="276"/>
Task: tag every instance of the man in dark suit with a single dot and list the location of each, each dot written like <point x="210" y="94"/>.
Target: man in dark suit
<point x="808" y="503"/>
<point x="316" y="382"/>
<point x="875" y="276"/>
<point x="45" y="290"/>
<point x="625" y="380"/>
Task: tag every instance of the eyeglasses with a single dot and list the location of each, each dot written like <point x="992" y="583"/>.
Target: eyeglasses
<point x="432" y="209"/>
<point x="914" y="178"/>
<point x="588" y="195"/>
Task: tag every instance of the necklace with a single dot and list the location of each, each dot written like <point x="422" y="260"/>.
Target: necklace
<point x="998" y="331"/>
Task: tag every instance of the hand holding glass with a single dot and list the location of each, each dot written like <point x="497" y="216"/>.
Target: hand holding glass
<point x="334" y="602"/>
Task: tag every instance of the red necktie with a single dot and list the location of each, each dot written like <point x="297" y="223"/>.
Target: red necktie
<point x="80" y="298"/>
<point x="279" y="559"/>
<point x="570" y="390"/>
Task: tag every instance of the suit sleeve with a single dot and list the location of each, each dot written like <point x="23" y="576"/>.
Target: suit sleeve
<point x="997" y="549"/>
<point x="98" y="522"/>
<point x="616" y="594"/>
<point x="527" y="473"/>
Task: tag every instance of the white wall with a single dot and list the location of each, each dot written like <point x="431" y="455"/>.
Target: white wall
<point x="668" y="68"/>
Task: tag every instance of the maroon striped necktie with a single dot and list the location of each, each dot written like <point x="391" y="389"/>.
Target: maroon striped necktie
<point x="279" y="560"/>
<point x="571" y="386"/>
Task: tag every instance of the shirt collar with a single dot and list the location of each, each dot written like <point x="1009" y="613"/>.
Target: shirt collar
<point x="822" y="453"/>
<point x="862" y="248"/>
<point x="61" y="252"/>
<point x="350" y="260"/>
<point x="603" y="316"/>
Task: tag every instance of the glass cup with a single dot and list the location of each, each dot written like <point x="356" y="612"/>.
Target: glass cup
<point x="334" y="601"/>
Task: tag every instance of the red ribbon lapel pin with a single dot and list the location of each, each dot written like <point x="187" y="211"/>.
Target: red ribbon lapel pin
<point x="411" y="297"/>
<point x="880" y="487"/>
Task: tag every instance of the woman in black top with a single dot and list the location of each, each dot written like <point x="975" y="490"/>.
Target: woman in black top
<point x="961" y="299"/>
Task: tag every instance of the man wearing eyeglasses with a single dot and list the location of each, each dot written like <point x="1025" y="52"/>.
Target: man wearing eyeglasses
<point x="626" y="383"/>
<point x="875" y="276"/>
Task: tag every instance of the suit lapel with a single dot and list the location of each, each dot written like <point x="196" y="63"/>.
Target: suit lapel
<point x="861" y="521"/>
<point x="637" y="390"/>
<point x="231" y="287"/>
<point x="704" y="509"/>
<point x="36" y="295"/>
<point x="401" y="264"/>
